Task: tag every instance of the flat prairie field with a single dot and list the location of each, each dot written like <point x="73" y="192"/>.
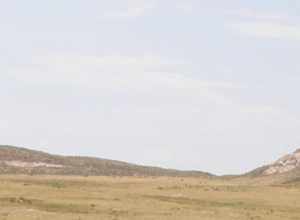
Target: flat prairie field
<point x="91" y="198"/>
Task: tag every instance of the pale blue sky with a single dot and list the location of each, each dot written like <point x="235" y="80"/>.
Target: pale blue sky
<point x="207" y="85"/>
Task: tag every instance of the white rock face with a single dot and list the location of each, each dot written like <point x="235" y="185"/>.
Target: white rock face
<point x="284" y="164"/>
<point x="23" y="164"/>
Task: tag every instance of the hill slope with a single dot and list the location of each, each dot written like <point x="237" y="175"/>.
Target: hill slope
<point x="14" y="160"/>
<point x="286" y="169"/>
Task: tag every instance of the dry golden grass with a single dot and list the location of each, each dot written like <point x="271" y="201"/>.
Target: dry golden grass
<point x="91" y="198"/>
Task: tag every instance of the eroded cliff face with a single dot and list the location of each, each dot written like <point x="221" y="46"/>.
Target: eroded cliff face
<point x="284" y="164"/>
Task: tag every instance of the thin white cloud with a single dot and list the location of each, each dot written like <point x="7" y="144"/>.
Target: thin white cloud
<point x="68" y="67"/>
<point x="132" y="9"/>
<point x="260" y="109"/>
<point x="246" y="13"/>
<point x="154" y="77"/>
<point x="129" y="13"/>
<point x="264" y="24"/>
<point x="184" y="7"/>
<point x="267" y="30"/>
<point x="260" y="24"/>
<point x="136" y="75"/>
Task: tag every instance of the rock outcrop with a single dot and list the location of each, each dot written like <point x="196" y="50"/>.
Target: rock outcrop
<point x="284" y="164"/>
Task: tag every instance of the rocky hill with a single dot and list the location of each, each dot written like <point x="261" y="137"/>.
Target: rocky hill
<point x="14" y="160"/>
<point x="285" y="169"/>
<point x="285" y="164"/>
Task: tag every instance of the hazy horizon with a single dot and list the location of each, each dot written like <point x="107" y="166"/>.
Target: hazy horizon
<point x="201" y="85"/>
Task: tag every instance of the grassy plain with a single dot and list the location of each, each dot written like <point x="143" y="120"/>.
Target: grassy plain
<point x="94" y="198"/>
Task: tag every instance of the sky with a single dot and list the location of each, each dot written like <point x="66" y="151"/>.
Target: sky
<point x="188" y="84"/>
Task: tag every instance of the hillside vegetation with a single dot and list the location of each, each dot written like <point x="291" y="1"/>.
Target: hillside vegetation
<point x="14" y="160"/>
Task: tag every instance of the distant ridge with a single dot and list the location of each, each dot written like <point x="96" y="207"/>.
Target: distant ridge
<point x="16" y="160"/>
